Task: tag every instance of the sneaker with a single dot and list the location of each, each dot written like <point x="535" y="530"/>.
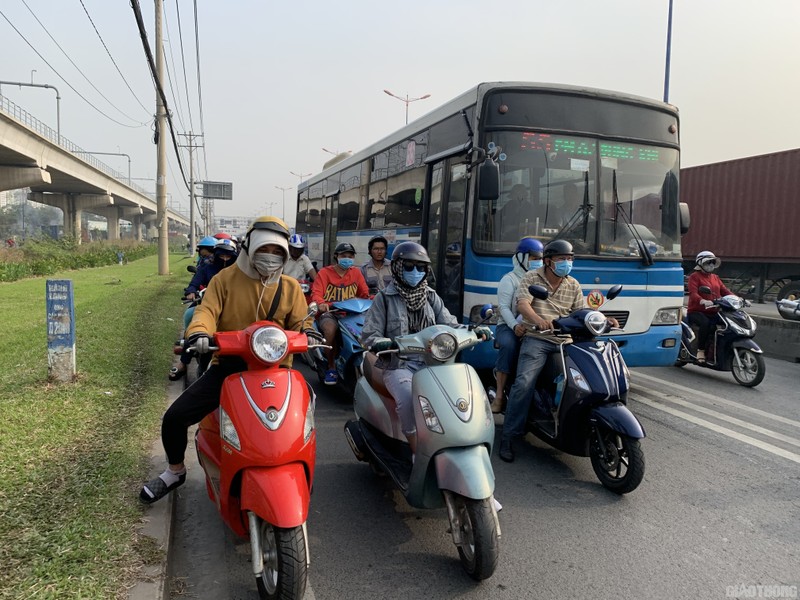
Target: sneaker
<point x="701" y="356"/>
<point x="331" y="377"/>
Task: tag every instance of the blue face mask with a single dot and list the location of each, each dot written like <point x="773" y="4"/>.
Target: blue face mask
<point x="412" y="278"/>
<point x="562" y="268"/>
<point x="534" y="264"/>
<point x="346" y="263"/>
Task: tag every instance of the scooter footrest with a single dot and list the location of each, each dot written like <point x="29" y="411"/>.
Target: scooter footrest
<point x="394" y="456"/>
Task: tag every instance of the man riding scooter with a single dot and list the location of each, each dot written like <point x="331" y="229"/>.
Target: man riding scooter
<point x="299" y="265"/>
<point x="565" y="296"/>
<point x="334" y="283"/>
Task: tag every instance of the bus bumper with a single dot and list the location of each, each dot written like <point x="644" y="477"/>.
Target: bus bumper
<point x="657" y="347"/>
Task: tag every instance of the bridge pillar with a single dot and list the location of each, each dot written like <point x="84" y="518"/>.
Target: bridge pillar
<point x="133" y="214"/>
<point x="14" y="178"/>
<point x="111" y="213"/>
<point x="149" y="222"/>
<point x="72" y="205"/>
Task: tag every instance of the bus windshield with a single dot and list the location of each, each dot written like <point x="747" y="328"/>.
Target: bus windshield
<point x="606" y="197"/>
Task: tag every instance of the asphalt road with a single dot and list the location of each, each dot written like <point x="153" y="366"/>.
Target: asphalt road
<point x="719" y="509"/>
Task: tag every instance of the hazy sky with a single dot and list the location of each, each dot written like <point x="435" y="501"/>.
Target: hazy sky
<point x="280" y="81"/>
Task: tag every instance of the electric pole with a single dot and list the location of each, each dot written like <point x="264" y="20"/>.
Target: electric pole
<point x="161" y="163"/>
<point x="191" y="146"/>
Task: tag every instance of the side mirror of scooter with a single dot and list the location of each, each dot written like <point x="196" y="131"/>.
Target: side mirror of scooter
<point x="313" y="309"/>
<point x="487" y="312"/>
<point x="539" y="292"/>
<point x="704" y="289"/>
<point x="613" y="292"/>
<point x="191" y="268"/>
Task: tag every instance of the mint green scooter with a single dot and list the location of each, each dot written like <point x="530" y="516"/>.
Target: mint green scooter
<point x="455" y="432"/>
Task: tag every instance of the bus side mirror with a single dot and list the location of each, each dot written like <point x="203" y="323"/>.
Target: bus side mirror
<point x="686" y="219"/>
<point x="489" y="180"/>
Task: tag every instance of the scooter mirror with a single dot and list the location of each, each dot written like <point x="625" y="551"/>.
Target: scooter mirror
<point x="313" y="309"/>
<point x="704" y="289"/>
<point x="613" y="292"/>
<point x="191" y="268"/>
<point x="487" y="311"/>
<point x="538" y="291"/>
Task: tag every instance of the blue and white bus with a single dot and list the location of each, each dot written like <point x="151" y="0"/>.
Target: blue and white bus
<point x="597" y="168"/>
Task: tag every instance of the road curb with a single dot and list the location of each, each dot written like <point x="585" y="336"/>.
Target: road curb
<point x="778" y="338"/>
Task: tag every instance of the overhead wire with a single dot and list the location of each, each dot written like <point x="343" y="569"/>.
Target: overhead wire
<point x="143" y="33"/>
<point x="199" y="87"/>
<point x="116" y="66"/>
<point x="183" y="62"/>
<point x="175" y="96"/>
<point x="61" y="77"/>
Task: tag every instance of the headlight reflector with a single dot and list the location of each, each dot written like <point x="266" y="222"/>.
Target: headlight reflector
<point x="667" y="316"/>
<point x="270" y="344"/>
<point x="444" y="346"/>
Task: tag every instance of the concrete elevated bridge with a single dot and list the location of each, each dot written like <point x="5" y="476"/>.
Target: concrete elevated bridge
<point x="63" y="175"/>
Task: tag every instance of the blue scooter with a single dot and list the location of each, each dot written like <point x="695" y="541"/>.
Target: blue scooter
<point x="351" y="314"/>
<point x="579" y="404"/>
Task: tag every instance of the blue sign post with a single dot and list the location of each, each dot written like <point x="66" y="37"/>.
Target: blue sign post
<point x="60" y="329"/>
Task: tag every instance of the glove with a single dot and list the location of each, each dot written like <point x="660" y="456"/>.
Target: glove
<point x="315" y="335"/>
<point x="381" y="344"/>
<point x="200" y="341"/>
<point x="706" y="303"/>
<point x="483" y="332"/>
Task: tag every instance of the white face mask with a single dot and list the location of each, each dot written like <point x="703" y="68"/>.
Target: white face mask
<point x="267" y="264"/>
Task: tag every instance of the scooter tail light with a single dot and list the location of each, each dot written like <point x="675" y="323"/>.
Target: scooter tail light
<point x="228" y="431"/>
<point x="431" y="419"/>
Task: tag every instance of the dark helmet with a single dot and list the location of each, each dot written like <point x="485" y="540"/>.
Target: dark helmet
<point x="343" y="247"/>
<point x="377" y="238"/>
<point x="557" y="248"/>
<point x="410" y="251"/>
<point x="530" y="246"/>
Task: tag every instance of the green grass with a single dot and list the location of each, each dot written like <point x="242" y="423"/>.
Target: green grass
<point x="72" y="456"/>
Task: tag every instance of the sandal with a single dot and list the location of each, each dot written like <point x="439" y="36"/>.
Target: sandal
<point x="155" y="489"/>
<point x="175" y="373"/>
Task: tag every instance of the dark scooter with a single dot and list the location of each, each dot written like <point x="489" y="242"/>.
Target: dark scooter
<point x="731" y="348"/>
<point x="579" y="404"/>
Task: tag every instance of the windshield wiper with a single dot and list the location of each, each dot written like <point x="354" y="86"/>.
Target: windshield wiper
<point x="581" y="215"/>
<point x="644" y="252"/>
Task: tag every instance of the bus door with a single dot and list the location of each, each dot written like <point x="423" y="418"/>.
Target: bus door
<point x="331" y="212"/>
<point x="444" y="235"/>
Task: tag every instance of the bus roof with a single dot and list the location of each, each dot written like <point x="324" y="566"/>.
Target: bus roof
<point x="470" y="98"/>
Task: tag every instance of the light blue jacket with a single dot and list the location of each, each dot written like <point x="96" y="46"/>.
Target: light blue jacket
<point x="506" y="292"/>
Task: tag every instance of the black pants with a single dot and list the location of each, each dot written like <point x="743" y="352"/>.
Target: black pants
<point x="705" y="325"/>
<point x="193" y="404"/>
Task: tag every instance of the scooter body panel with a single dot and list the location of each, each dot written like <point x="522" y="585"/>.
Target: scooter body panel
<point x="618" y="418"/>
<point x="351" y="316"/>
<point x="279" y="495"/>
<point x="465" y="471"/>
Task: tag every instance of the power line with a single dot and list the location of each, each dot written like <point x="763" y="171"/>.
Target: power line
<point x="175" y="96"/>
<point x="112" y="58"/>
<point x="64" y="52"/>
<point x="183" y="61"/>
<point x="143" y="33"/>
<point x="199" y="87"/>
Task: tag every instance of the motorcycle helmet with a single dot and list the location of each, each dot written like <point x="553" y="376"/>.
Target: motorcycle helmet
<point x="221" y="235"/>
<point x="343" y="247"/>
<point x="410" y="251"/>
<point x="530" y="246"/>
<point x="558" y="248"/>
<point x="707" y="261"/>
<point x="266" y="230"/>
<point x="297" y="241"/>
<point x="377" y="238"/>
<point x="208" y="242"/>
<point x="225" y="246"/>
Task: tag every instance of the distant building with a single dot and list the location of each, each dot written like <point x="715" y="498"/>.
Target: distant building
<point x="232" y="225"/>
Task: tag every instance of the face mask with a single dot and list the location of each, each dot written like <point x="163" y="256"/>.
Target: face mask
<point x="346" y="263"/>
<point x="267" y="264"/>
<point x="562" y="268"/>
<point x="534" y="264"/>
<point x="412" y="278"/>
<point x="708" y="267"/>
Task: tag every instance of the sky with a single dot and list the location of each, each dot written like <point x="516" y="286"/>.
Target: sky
<point x="281" y="81"/>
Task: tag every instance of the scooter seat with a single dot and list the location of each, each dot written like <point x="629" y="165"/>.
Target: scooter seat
<point x="374" y="375"/>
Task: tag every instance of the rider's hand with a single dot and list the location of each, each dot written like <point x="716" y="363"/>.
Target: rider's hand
<point x="190" y="296"/>
<point x="613" y="322"/>
<point x="323" y="307"/>
<point x="542" y="324"/>
<point x="483" y="332"/>
<point x="519" y="329"/>
<point x="381" y="344"/>
<point x="706" y="303"/>
<point x="200" y="341"/>
<point x="314" y="336"/>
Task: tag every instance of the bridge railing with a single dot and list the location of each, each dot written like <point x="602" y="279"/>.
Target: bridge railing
<point x="31" y="122"/>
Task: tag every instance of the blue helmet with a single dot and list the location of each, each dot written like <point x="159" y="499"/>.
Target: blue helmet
<point x="207" y="242"/>
<point x="530" y="246"/>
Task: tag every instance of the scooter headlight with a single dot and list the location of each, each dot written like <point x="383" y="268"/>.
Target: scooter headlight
<point x="595" y="322"/>
<point x="270" y="344"/>
<point x="431" y="420"/>
<point x="443" y="346"/>
<point x="228" y="431"/>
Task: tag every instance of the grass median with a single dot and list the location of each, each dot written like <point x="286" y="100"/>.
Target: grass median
<point x="72" y="456"/>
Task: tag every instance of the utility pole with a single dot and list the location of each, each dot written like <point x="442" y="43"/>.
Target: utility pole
<point x="191" y="146"/>
<point x="161" y="163"/>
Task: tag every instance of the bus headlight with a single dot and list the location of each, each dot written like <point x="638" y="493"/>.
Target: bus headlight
<point x="269" y="344"/>
<point x="443" y="346"/>
<point x="667" y="316"/>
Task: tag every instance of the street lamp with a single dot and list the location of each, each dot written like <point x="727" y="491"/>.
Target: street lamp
<point x="111" y="154"/>
<point x="669" y="54"/>
<point x="283" y="200"/>
<point x="406" y="100"/>
<point x="49" y="87"/>
<point x="301" y="175"/>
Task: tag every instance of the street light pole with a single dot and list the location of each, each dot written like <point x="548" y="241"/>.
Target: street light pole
<point x="406" y="100"/>
<point x="49" y="87"/>
<point x="111" y="154"/>
<point x="283" y="200"/>
<point x="669" y="54"/>
<point x="301" y="175"/>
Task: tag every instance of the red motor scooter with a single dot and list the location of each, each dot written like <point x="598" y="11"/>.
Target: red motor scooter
<point x="258" y="452"/>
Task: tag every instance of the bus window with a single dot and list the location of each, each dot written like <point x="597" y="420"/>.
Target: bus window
<point x="404" y="204"/>
<point x="347" y="217"/>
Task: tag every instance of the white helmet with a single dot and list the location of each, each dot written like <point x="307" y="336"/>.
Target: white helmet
<point x="297" y="241"/>
<point x="707" y="261"/>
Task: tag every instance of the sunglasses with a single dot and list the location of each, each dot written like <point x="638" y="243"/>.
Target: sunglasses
<point x="421" y="267"/>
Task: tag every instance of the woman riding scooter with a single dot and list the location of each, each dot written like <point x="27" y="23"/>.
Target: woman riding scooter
<point x="406" y="306"/>
<point x="701" y="310"/>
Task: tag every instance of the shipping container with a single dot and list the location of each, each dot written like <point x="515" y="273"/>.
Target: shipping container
<point x="747" y="211"/>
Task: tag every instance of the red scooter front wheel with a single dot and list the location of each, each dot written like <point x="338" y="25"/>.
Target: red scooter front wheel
<point x="283" y="553"/>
